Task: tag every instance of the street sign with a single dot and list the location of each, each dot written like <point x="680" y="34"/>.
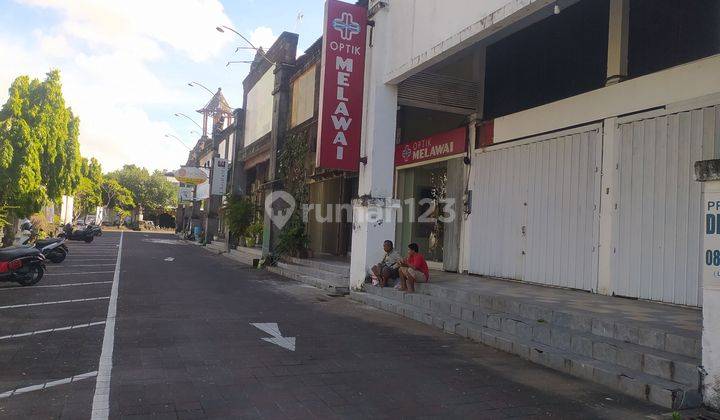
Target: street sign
<point x="191" y="175"/>
<point x="186" y="193"/>
<point x="341" y="86"/>
<point x="711" y="241"/>
<point x="219" y="176"/>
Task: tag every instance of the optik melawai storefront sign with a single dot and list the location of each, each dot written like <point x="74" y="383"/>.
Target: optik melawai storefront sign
<point x="438" y="146"/>
<point x="341" y="86"/>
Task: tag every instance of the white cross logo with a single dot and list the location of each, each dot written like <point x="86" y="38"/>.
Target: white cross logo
<point x="346" y="26"/>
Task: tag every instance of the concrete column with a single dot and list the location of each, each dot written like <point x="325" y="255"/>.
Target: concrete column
<point x="618" y="36"/>
<point x="374" y="211"/>
<point x="708" y="172"/>
<point x="281" y="115"/>
<point x="469" y="180"/>
<point x="608" y="204"/>
<point x="213" y="207"/>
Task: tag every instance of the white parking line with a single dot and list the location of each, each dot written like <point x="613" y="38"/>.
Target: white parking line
<point x="101" y="399"/>
<point x="51" y="330"/>
<point x="47" y="385"/>
<point x="79" y="272"/>
<point x="57" y="302"/>
<point x="54" y="285"/>
<point x="84" y="265"/>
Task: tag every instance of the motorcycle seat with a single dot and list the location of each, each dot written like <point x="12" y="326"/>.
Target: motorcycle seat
<point x="14" y="252"/>
<point x="46" y="242"/>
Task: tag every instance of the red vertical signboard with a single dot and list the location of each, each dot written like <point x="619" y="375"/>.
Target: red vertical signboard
<point x="341" y="86"/>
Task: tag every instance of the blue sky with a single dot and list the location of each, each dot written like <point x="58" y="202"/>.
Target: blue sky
<point x="125" y="64"/>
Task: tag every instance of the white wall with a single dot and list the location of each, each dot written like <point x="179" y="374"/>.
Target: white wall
<point x="424" y="32"/>
<point x="303" y="97"/>
<point x="677" y="84"/>
<point x="259" y="107"/>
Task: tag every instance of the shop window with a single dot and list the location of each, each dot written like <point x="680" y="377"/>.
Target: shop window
<point x="667" y="33"/>
<point x="561" y="56"/>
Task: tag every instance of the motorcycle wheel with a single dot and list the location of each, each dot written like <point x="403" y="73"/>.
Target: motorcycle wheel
<point x="32" y="276"/>
<point x="89" y="239"/>
<point x="57" y="256"/>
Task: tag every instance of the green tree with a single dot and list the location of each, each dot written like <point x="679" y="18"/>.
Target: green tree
<point x="153" y="192"/>
<point x="116" y="197"/>
<point x="159" y="192"/>
<point x="89" y="192"/>
<point x="39" y="150"/>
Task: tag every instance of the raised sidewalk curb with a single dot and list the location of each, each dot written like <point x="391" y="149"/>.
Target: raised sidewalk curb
<point x="328" y="276"/>
<point x="657" y="366"/>
<point x="333" y="278"/>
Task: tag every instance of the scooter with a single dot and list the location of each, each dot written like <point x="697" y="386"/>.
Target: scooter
<point x="94" y="229"/>
<point x="23" y="265"/>
<point x="54" y="249"/>
<point x="77" y="235"/>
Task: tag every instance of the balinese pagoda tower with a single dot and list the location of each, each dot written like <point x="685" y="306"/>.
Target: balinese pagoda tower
<point x="219" y="110"/>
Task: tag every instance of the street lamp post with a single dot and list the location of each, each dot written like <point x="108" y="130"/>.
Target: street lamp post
<point x="198" y="84"/>
<point x="179" y="141"/>
<point x="180" y="114"/>
<point x="222" y="28"/>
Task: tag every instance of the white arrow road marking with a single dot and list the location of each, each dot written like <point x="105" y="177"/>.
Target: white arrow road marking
<point x="169" y="259"/>
<point x="277" y="338"/>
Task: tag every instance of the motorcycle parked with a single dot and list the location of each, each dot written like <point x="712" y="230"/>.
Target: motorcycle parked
<point x="87" y="235"/>
<point x="53" y="249"/>
<point x="23" y="265"/>
<point x="94" y="229"/>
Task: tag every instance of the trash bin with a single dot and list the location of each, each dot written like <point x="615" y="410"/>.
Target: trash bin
<point x="196" y="232"/>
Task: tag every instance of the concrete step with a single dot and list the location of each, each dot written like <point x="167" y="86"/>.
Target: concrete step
<point x="333" y="267"/>
<point x="669" y="366"/>
<point x="336" y="286"/>
<point x="244" y="257"/>
<point x="673" y="341"/>
<point x="642" y="372"/>
<point x="314" y="272"/>
<point x="216" y="247"/>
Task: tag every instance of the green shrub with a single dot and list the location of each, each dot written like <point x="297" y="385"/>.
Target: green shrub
<point x="293" y="240"/>
<point x="238" y="212"/>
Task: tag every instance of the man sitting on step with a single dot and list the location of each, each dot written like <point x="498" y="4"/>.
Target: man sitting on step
<point x="387" y="269"/>
<point x="413" y="269"/>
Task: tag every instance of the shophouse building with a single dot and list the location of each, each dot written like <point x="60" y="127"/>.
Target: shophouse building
<point x="562" y="134"/>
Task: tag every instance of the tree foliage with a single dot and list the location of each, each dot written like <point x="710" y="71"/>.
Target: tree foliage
<point x="150" y="191"/>
<point x="89" y="192"/>
<point x="116" y="197"/>
<point x="39" y="149"/>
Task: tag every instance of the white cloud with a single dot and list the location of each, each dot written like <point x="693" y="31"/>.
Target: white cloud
<point x="262" y="36"/>
<point x="187" y="26"/>
<point x="109" y="53"/>
<point x="127" y="135"/>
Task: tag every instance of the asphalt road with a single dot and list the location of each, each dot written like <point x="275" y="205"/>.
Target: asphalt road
<point x="183" y="346"/>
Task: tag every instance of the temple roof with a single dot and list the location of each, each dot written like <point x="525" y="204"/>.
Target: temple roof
<point x="217" y="105"/>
